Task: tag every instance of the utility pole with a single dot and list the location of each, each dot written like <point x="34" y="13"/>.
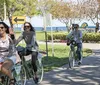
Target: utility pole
<point x="4" y="10"/>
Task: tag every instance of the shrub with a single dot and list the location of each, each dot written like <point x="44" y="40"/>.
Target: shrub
<point x="87" y="37"/>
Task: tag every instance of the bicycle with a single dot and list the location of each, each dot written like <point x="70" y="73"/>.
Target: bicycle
<point x="6" y="79"/>
<point x="73" y="55"/>
<point x="26" y="63"/>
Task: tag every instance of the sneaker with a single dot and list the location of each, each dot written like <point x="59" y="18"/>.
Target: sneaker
<point x="36" y="80"/>
<point x="2" y="79"/>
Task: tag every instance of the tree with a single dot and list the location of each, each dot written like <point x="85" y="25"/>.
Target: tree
<point x="20" y="7"/>
<point x="1" y="10"/>
<point x="90" y="10"/>
<point x="63" y="12"/>
<point x="44" y="6"/>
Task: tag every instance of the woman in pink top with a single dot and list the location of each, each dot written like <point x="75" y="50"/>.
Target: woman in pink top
<point x="7" y="53"/>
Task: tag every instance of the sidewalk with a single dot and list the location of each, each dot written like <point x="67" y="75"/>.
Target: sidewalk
<point x="87" y="74"/>
<point x="85" y="45"/>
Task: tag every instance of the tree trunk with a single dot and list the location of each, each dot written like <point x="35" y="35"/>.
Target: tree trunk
<point x="68" y="29"/>
<point x="10" y="20"/>
<point x="97" y="27"/>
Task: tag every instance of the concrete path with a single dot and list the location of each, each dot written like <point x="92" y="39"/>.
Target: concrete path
<point x="85" y="45"/>
<point x="86" y="74"/>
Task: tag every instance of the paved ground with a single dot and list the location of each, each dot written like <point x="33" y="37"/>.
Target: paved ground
<point x="85" y="45"/>
<point x="86" y="74"/>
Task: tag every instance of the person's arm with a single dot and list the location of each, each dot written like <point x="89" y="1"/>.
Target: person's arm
<point x="80" y="37"/>
<point x="33" y="40"/>
<point x="19" y="39"/>
<point x="68" y="38"/>
<point x="34" y="43"/>
<point x="12" y="49"/>
<point x="69" y="35"/>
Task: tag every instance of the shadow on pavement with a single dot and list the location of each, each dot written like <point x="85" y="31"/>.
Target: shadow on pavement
<point x="86" y="74"/>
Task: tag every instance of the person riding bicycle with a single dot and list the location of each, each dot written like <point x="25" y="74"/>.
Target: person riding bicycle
<point x="29" y="37"/>
<point x="76" y="35"/>
<point x="7" y="53"/>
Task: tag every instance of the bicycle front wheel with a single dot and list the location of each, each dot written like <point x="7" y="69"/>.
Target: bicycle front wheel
<point x="39" y="70"/>
<point x="71" y="59"/>
<point x="21" y="76"/>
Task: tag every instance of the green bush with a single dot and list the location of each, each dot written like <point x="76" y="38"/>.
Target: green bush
<point x="87" y="37"/>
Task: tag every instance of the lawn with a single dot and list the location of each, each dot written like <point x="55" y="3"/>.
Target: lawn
<point x="60" y="57"/>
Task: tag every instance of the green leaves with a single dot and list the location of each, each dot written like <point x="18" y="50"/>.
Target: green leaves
<point x="19" y="7"/>
<point x="87" y="37"/>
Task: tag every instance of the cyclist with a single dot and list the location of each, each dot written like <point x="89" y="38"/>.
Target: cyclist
<point x="29" y="37"/>
<point x="76" y="35"/>
<point x="7" y="53"/>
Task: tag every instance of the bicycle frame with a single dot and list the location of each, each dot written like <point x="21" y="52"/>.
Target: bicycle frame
<point x="29" y="70"/>
<point x="73" y="57"/>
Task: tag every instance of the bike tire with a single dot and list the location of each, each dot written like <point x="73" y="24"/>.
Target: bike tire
<point x="39" y="70"/>
<point x="71" y="59"/>
<point x="21" y="78"/>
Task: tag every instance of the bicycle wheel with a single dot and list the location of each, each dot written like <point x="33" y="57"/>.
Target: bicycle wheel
<point x="81" y="55"/>
<point x="71" y="59"/>
<point x="39" y="70"/>
<point x="5" y="81"/>
<point x="20" y="76"/>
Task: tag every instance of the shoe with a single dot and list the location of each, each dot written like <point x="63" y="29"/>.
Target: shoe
<point x="36" y="80"/>
<point x="79" y="63"/>
<point x="2" y="79"/>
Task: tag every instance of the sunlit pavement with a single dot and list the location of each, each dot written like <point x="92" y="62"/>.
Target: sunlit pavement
<point x="85" y="45"/>
<point x="86" y="74"/>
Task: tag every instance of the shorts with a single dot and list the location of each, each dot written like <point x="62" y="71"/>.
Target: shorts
<point x="12" y="58"/>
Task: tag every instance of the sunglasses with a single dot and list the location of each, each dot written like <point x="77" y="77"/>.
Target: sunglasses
<point x="27" y="26"/>
<point x="2" y="27"/>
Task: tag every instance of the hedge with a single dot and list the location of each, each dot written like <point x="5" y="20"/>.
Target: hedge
<point x="87" y="37"/>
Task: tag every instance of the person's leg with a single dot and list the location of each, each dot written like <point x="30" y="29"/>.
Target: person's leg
<point x="21" y="53"/>
<point x="71" y="47"/>
<point x="79" y="48"/>
<point x="34" y="58"/>
<point x="6" y="68"/>
<point x="1" y="75"/>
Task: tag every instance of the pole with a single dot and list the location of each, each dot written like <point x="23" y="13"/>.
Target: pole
<point x="44" y="20"/>
<point x="52" y="36"/>
<point x="46" y="43"/>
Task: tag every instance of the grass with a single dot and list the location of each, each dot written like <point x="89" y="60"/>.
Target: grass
<point x="60" y="56"/>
